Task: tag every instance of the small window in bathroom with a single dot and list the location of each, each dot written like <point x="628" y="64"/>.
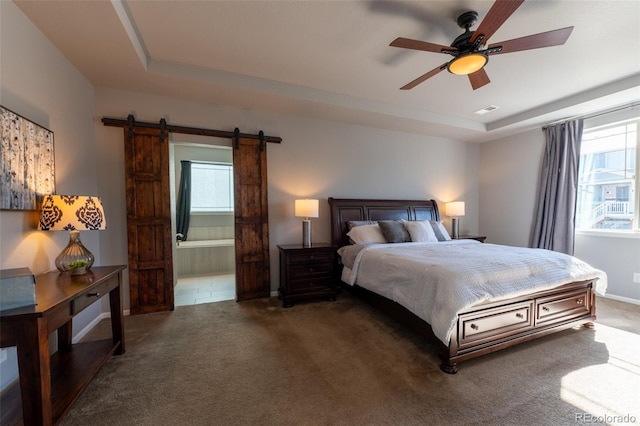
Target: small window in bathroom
<point x="211" y="188"/>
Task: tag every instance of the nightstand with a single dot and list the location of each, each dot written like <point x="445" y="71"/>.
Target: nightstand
<point x="307" y="272"/>
<point x="480" y="238"/>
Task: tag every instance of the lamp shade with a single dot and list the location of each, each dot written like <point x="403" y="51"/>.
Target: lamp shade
<point x="306" y="208"/>
<point x="455" y="208"/>
<point x="71" y="212"/>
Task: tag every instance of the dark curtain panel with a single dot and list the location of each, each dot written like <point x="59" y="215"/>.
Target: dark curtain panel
<point x="184" y="201"/>
<point x="556" y="208"/>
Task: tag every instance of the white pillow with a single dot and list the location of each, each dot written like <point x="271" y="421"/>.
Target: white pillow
<point x="366" y="234"/>
<point x="440" y="231"/>
<point x="421" y="231"/>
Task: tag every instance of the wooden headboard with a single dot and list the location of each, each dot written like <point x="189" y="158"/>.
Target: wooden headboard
<point x="345" y="209"/>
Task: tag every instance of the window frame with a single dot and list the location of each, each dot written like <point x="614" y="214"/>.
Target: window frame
<point x="600" y="123"/>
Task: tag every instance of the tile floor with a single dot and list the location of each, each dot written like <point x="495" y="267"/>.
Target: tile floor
<point x="205" y="289"/>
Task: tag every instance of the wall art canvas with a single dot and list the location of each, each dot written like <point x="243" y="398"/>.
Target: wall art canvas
<point x="26" y="162"/>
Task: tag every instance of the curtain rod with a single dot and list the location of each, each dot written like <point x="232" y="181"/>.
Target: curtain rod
<point x="593" y="115"/>
<point x="115" y="122"/>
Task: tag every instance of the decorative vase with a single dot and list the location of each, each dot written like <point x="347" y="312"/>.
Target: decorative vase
<point x="74" y="251"/>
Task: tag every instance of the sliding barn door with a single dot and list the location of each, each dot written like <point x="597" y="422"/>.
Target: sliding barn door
<point x="251" y="219"/>
<point x="148" y="220"/>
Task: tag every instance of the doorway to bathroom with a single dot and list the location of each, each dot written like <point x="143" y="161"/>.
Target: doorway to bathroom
<point x="204" y="256"/>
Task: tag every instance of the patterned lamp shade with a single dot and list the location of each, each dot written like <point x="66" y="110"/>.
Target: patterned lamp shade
<point x="72" y="213"/>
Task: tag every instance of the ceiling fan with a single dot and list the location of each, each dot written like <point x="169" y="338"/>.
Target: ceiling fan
<point x="470" y="50"/>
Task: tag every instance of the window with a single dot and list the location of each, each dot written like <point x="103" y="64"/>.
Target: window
<point x="608" y="177"/>
<point x="211" y="188"/>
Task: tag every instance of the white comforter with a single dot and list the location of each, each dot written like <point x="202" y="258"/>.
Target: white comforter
<point x="437" y="281"/>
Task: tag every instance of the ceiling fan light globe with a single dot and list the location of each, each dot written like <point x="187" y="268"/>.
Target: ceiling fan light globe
<point x="467" y="64"/>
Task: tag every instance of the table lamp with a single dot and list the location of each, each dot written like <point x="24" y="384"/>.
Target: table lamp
<point x="73" y="213"/>
<point x="306" y="208"/>
<point x="455" y="209"/>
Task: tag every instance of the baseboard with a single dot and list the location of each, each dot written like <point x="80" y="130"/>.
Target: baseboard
<point x="622" y="299"/>
<point x="104" y="315"/>
<point x="79" y="335"/>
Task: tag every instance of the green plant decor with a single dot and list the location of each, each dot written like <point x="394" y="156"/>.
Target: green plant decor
<point x="78" y="267"/>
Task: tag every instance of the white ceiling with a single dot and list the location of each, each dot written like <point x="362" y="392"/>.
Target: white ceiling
<point x="332" y="60"/>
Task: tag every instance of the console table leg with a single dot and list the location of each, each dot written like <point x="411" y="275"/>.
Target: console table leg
<point x="64" y="336"/>
<point x="35" y="373"/>
<point x="117" y="318"/>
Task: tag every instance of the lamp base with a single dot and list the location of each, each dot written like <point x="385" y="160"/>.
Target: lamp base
<point x="454" y="228"/>
<point x="306" y="233"/>
<point x="75" y="257"/>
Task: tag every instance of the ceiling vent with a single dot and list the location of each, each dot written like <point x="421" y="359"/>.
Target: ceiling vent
<point x="486" y="109"/>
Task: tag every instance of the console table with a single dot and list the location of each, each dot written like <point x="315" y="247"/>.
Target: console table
<point x="49" y="384"/>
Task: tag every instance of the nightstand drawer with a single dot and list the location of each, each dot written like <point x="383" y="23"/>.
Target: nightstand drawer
<point x="314" y="270"/>
<point x="311" y="284"/>
<point x="319" y="256"/>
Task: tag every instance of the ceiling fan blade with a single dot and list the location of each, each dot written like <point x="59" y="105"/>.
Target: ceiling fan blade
<point x="497" y="15"/>
<point x="423" y="77"/>
<point x="479" y="79"/>
<point x="534" y="41"/>
<point x="408" y="43"/>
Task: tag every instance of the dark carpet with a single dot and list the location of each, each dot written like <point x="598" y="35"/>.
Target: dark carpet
<point x="343" y="363"/>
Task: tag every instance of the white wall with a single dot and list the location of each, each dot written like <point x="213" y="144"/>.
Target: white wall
<point x="509" y="176"/>
<point x="619" y="257"/>
<point x="316" y="159"/>
<point x="41" y="85"/>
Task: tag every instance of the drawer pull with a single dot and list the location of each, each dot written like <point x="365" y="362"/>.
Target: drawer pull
<point x="519" y="315"/>
<point x="474" y="326"/>
<point x="310" y="269"/>
<point x="546" y="309"/>
<point x="579" y="301"/>
<point x="311" y="257"/>
<point x="96" y="294"/>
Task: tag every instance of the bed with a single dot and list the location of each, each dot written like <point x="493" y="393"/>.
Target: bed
<point x="541" y="306"/>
